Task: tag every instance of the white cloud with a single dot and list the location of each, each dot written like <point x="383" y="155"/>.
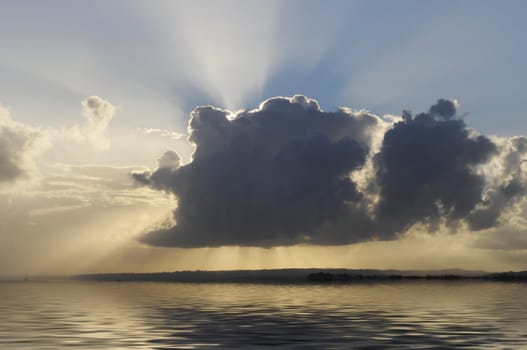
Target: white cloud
<point x="98" y="114"/>
<point x="20" y="147"/>
<point x="161" y="132"/>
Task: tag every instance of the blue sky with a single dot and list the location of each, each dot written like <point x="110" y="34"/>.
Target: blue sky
<point x="161" y="59"/>
<point x="148" y="64"/>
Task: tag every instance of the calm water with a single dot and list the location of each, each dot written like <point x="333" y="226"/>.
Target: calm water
<point x="417" y="315"/>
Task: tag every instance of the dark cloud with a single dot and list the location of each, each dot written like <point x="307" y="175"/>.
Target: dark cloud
<point x="271" y="176"/>
<point x="445" y="109"/>
<point x="425" y="170"/>
<point x="288" y="173"/>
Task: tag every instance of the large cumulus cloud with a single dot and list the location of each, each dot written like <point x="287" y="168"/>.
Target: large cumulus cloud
<point x="279" y="174"/>
<point x="289" y="172"/>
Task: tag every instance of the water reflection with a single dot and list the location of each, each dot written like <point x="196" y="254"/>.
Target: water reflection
<point x="423" y="315"/>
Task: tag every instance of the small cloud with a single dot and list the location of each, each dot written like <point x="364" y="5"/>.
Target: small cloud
<point x="444" y="108"/>
<point x="166" y="165"/>
<point x="98" y="113"/>
<point x="161" y="132"/>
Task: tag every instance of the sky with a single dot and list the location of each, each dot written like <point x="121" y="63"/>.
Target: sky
<point x="182" y="135"/>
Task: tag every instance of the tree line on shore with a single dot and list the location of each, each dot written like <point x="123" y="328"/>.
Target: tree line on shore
<point x="324" y="277"/>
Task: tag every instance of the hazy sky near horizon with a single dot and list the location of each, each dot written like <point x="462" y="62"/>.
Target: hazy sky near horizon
<point x="92" y="92"/>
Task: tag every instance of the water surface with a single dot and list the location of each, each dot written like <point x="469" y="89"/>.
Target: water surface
<point x="141" y="315"/>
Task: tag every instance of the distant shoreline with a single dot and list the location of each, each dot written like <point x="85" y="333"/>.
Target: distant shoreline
<point x="305" y="276"/>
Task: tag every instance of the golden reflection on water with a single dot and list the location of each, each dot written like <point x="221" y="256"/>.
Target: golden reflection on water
<point x="106" y="315"/>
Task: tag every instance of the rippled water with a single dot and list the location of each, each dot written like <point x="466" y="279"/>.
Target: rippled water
<point x="417" y="315"/>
